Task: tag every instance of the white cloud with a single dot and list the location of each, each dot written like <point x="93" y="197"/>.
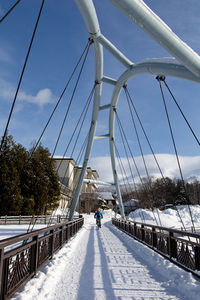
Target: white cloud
<point x="190" y="166"/>
<point x="43" y="96"/>
<point x="103" y="166"/>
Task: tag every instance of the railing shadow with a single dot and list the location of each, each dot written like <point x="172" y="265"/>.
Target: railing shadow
<point x="126" y="271"/>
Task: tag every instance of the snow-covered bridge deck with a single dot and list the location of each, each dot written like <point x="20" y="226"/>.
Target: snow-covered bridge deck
<point x="108" y="264"/>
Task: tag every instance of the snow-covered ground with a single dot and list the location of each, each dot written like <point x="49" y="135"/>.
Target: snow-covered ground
<point x="108" y="264"/>
<point x="7" y="231"/>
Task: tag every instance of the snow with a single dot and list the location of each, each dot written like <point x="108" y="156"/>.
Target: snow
<point x="108" y="264"/>
<point x="7" y="231"/>
<point x="169" y="217"/>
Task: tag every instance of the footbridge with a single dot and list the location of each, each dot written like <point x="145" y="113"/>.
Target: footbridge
<point x="125" y="259"/>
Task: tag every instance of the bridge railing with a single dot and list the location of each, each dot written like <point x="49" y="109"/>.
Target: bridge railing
<point x="181" y="247"/>
<point x="42" y="219"/>
<point x="21" y="256"/>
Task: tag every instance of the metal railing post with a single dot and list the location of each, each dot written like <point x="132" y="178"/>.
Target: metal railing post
<point x="52" y="243"/>
<point x="154" y="237"/>
<point x="67" y="232"/>
<point x="1" y="273"/>
<point x="172" y="246"/>
<point x="4" y="280"/>
<point x="135" y="229"/>
<point x="142" y="232"/>
<point x="61" y="237"/>
<point x="197" y="257"/>
<point x="34" y="254"/>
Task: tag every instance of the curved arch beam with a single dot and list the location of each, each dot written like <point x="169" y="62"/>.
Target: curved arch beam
<point x="167" y="67"/>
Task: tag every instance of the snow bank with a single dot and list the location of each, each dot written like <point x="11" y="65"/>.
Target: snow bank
<point x="169" y="217"/>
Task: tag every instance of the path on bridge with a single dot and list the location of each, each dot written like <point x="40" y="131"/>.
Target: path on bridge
<point x="108" y="264"/>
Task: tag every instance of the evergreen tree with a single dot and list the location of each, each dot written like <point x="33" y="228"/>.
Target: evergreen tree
<point x="27" y="186"/>
<point x="45" y="182"/>
<point x="12" y="159"/>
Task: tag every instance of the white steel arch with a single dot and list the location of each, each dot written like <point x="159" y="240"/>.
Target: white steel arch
<point x="185" y="66"/>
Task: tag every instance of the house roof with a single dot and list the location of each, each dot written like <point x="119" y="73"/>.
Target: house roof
<point x="60" y="158"/>
<point x="106" y="196"/>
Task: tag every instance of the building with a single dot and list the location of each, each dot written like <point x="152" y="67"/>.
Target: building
<point x="89" y="200"/>
<point x="65" y="170"/>
<point x="108" y="198"/>
<point x="69" y="173"/>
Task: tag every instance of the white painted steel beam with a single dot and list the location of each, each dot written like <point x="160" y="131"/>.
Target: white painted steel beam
<point x="100" y="137"/>
<point x="88" y="12"/>
<point x="167" y="67"/>
<point x="109" y="80"/>
<point x="114" y="51"/>
<point x="103" y="107"/>
<point x="147" y="20"/>
<point x="98" y="182"/>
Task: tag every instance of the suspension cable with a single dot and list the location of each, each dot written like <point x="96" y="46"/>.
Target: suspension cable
<point x="139" y="144"/>
<point x="80" y="129"/>
<point x="129" y="164"/>
<point x="86" y="49"/>
<point x="21" y="76"/>
<point x="65" y="206"/>
<point x="123" y="142"/>
<point x="130" y="102"/>
<point x="71" y="100"/>
<point x="85" y="147"/>
<point x="132" y="156"/>
<point x="122" y="137"/>
<point x="72" y="152"/>
<point x="159" y="79"/>
<point x="60" y="98"/>
<point x="9" y="11"/>
<point x="82" y="115"/>
<point x="141" y="180"/>
<point x="196" y="138"/>
<point x="79" y="158"/>
<point x="144" y="162"/>
<point x="122" y="169"/>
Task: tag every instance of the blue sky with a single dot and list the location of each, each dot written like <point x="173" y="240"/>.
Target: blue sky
<point x="59" y="41"/>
